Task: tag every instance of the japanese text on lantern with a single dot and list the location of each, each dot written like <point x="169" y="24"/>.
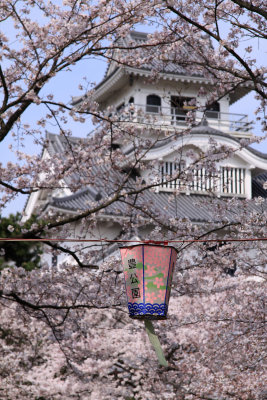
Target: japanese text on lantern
<point x="133" y="279"/>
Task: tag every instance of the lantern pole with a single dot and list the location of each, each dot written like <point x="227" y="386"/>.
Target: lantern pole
<point x="154" y="340"/>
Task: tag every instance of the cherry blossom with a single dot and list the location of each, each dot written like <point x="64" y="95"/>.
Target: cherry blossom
<point x="65" y="332"/>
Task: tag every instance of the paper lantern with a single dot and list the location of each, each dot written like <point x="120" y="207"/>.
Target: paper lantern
<point x="148" y="271"/>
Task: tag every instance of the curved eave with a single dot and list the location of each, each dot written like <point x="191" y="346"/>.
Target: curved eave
<point x="198" y="217"/>
<point x="170" y="76"/>
<point x="251" y="156"/>
<point x="119" y="77"/>
<point x="58" y="210"/>
<point x="106" y="87"/>
<point x="67" y="211"/>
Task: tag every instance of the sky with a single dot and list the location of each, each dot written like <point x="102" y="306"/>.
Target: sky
<point x="66" y="86"/>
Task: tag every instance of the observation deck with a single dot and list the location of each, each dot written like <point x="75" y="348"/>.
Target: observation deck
<point x="172" y="117"/>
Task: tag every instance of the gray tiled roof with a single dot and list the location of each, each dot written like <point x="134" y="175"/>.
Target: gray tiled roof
<point x="58" y="144"/>
<point x="167" y="66"/>
<point x="195" y="207"/>
<point x="173" y="67"/>
<point x="204" y="129"/>
<point x="183" y="207"/>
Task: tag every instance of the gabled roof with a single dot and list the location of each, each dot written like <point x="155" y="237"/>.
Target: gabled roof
<point x="182" y="207"/>
<point x="194" y="207"/>
<point x="167" y="66"/>
<point x="57" y="144"/>
<point x="203" y="129"/>
<point x="116" y="75"/>
<point x="170" y="69"/>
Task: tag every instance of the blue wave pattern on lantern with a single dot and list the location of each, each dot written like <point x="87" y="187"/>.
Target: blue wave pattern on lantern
<point x="147" y="308"/>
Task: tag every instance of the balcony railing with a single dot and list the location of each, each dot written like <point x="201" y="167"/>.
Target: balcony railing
<point x="177" y="117"/>
<point x="227" y="180"/>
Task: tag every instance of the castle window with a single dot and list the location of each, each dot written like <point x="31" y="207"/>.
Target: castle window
<point x="153" y="103"/>
<point x="203" y="181"/>
<point x="180" y="106"/>
<point x="227" y="180"/>
<point x="168" y="170"/>
<point x="232" y="180"/>
<point x="213" y="110"/>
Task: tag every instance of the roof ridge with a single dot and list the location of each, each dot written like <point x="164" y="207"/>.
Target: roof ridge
<point x="74" y="195"/>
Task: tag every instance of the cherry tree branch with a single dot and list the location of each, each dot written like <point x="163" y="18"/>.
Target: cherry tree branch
<point x="12" y="296"/>
<point x="251" y="7"/>
<point x="230" y="50"/>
